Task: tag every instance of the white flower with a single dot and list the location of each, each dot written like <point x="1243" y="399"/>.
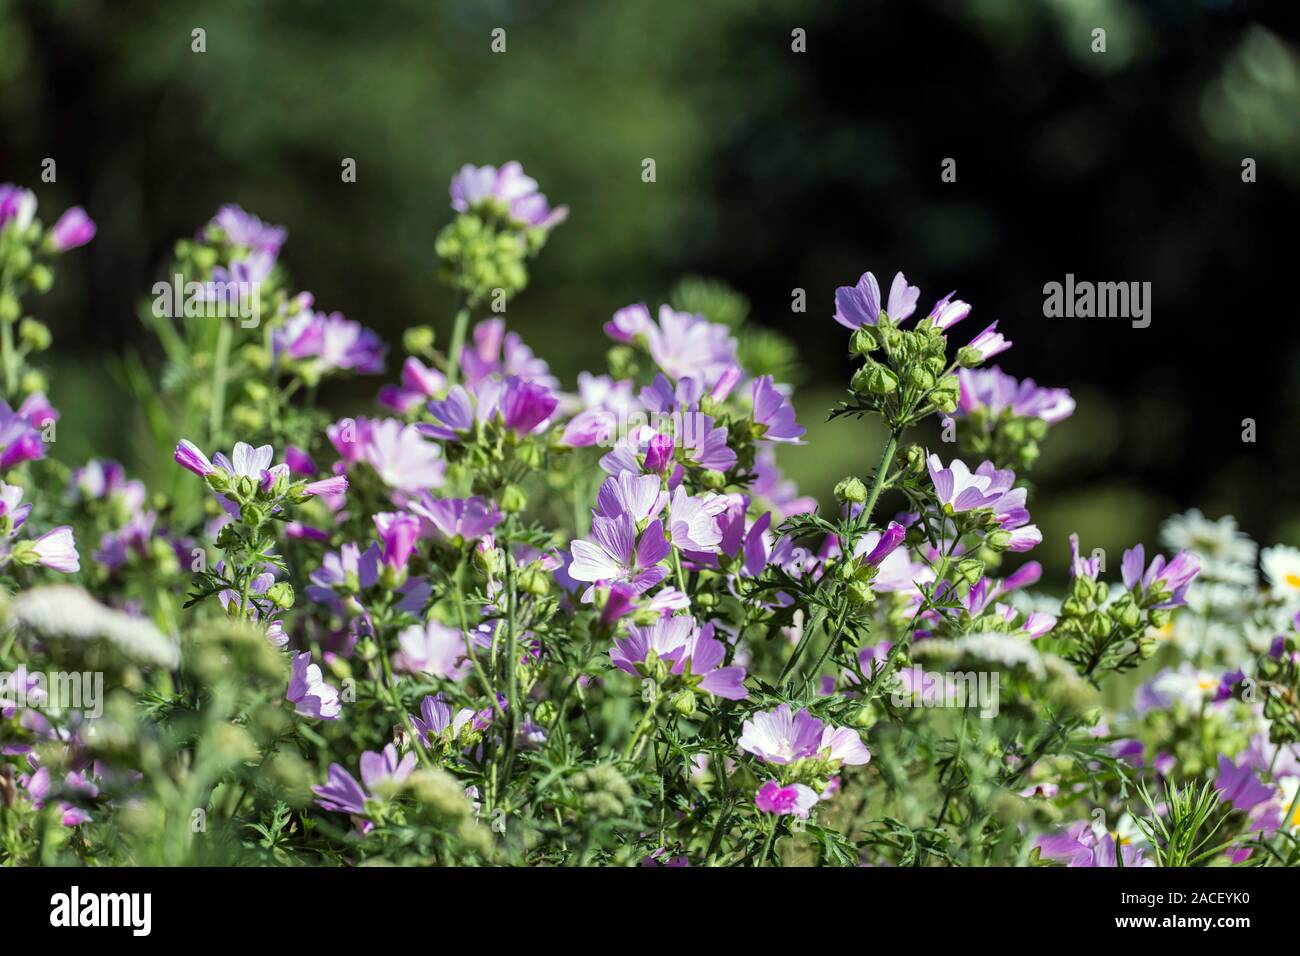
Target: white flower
<point x="1281" y="565"/>
<point x="1209" y="540"/>
<point x="65" y="611"/>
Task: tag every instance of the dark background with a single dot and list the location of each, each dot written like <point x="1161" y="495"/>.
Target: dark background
<point x="775" y="169"/>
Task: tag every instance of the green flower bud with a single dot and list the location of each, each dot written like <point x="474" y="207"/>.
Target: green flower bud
<point x="968" y="357"/>
<point x="851" y="491"/>
<point x="861" y="593"/>
<point x="1147" y="647"/>
<point x="205" y="257"/>
<point x="10" y="308"/>
<point x="1128" y="614"/>
<point x="33" y="381"/>
<point x="34" y="335"/>
<point x="998" y="540"/>
<point x="42" y="278"/>
<point x="684" y="703"/>
<point x="218" y="480"/>
<point x="281" y="594"/>
<point x="1160" y="617"/>
<point x="881" y="381"/>
<point x="252" y="514"/>
<point x="970" y="570"/>
<point x="513" y="499"/>
<point x="947" y="394"/>
<point x="545" y="712"/>
<point x="921" y="377"/>
<point x="418" y="340"/>
<point x="913" y="459"/>
<point x="863" y="341"/>
<point x="713" y="480"/>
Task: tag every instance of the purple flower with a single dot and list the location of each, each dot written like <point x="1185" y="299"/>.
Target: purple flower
<point x="702" y="442"/>
<point x="245" y="461"/>
<point x="639" y="496"/>
<point x="773" y="413"/>
<point x="455" y="520"/>
<point x="797" y="799"/>
<point x="436" y="720"/>
<point x="73" y="229"/>
<point x="617" y="553"/>
<point x="433" y="649"/>
<point x="948" y="311"/>
<point x="778" y="737"/>
<point x="400" y="456"/>
<point x="1239" y="787"/>
<point x="419" y="383"/>
<point x="693" y="521"/>
<point x="683" y="345"/>
<point x="1079" y="846"/>
<point x="327" y="343"/>
<point x="959" y="489"/>
<point x="398" y="532"/>
<point x="694" y="653"/>
<point x="498" y="354"/>
<point x="308" y="692"/>
<point x="17" y="205"/>
<point x="1082" y="567"/>
<point x="245" y="229"/>
<point x="525" y="406"/>
<point x="1172" y="578"/>
<point x="509" y="189"/>
<point x="341" y="792"/>
<point x="12" y="510"/>
<point x="20" y="440"/>
<point x="890" y="539"/>
<point x="856" y="306"/>
<point x="989" y="343"/>
<point x="994" y="392"/>
<point x="299" y="461"/>
<point x="326" y="488"/>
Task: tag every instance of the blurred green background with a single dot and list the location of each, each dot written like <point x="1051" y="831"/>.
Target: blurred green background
<point x="776" y="170"/>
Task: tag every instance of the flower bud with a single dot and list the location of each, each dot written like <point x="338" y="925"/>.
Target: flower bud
<point x="713" y="480"/>
<point x="851" y="491"/>
<point x="218" y="480"/>
<point x="281" y="594"/>
<point x="968" y="357"/>
<point x="34" y="335"/>
<point x="513" y="499"/>
<point x="998" y="540"/>
<point x="970" y="570"/>
<point x="921" y="377"/>
<point x="913" y="459"/>
<point x="863" y="342"/>
<point x="42" y="278"/>
<point x="881" y="381"/>
<point x="684" y="703"/>
<point x="418" y="340"/>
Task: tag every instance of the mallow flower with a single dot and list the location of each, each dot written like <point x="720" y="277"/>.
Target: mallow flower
<point x="779" y="737"/>
<point x="341" y="792"/>
<point x="856" y="306"/>
<point x="308" y="692"/>
<point x="692" y="655"/>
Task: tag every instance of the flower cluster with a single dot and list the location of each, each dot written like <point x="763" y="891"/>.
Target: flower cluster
<point x="498" y="618"/>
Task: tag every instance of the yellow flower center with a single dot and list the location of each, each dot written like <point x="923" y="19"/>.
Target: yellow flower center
<point x="1293" y="579"/>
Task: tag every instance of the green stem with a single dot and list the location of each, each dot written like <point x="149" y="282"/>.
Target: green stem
<point x="457" y="342"/>
<point x="878" y="482"/>
<point x="219" y="364"/>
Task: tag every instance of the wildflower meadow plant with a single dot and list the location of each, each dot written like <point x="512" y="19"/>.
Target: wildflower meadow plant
<point x="492" y="619"/>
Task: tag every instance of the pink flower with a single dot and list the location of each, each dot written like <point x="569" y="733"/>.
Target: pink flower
<point x="796" y="799"/>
